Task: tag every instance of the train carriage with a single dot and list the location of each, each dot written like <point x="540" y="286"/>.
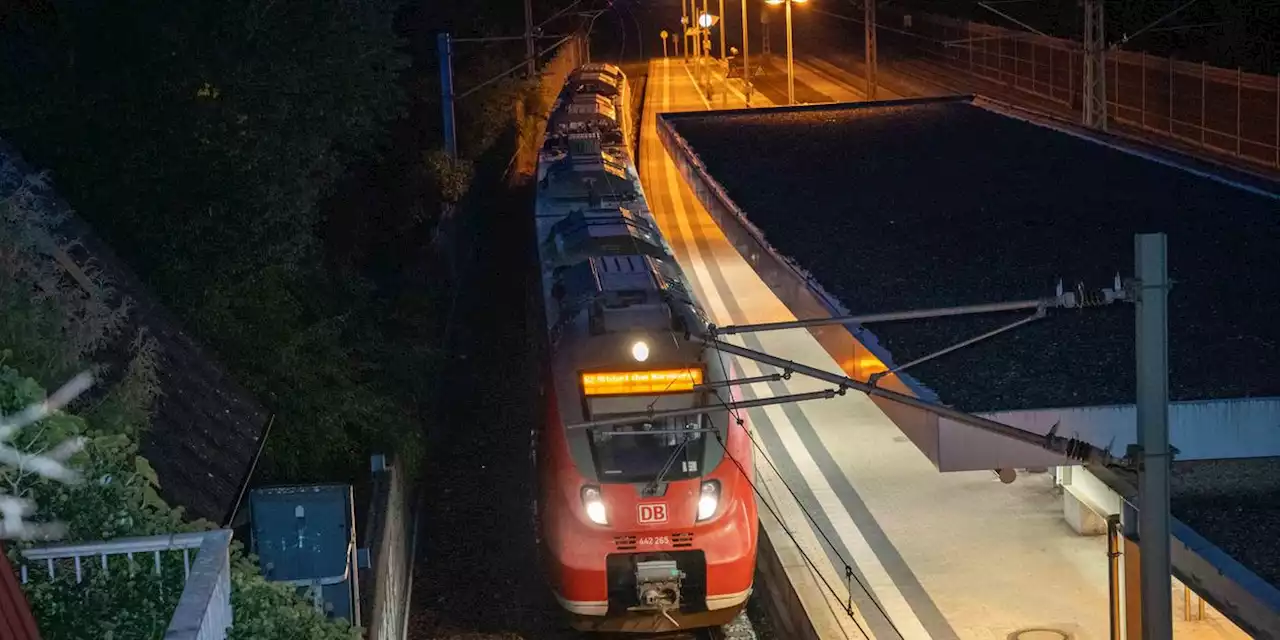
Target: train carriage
<point x="645" y="513"/>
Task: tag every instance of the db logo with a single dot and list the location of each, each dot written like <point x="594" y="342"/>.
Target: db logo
<point x="653" y="513"/>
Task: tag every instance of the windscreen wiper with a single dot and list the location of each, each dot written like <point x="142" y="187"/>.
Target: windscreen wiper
<point x="671" y="459"/>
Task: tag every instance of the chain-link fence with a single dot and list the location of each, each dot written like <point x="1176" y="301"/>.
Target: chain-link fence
<point x="1223" y="110"/>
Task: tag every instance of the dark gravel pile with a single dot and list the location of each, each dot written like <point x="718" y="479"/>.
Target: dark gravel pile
<point x="1235" y="504"/>
<point x="947" y="203"/>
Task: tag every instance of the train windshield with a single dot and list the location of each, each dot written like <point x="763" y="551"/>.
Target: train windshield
<point x="638" y="452"/>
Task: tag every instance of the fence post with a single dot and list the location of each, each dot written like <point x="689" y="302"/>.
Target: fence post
<point x="1053" y="85"/>
<point x="1115" y="72"/>
<point x="1204" y="97"/>
<point x="1071" y="77"/>
<point x="1144" y="89"/>
<point x="969" y="37"/>
<point x="1239" y="106"/>
<point x="1000" y="58"/>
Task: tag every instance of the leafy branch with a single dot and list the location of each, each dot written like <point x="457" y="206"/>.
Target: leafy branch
<point x="47" y="462"/>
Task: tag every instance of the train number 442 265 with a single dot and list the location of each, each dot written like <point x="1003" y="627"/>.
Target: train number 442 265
<point x="655" y="540"/>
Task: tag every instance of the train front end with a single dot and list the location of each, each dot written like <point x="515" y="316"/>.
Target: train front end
<point x="647" y="516"/>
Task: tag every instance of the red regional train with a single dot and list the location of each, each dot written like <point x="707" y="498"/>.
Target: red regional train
<point x="646" y="518"/>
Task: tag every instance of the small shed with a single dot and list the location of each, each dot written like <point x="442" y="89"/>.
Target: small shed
<point x="305" y="535"/>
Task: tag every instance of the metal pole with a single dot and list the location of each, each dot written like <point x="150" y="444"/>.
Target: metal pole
<point x="445" y="45"/>
<point x="724" y="57"/>
<point x="1143" y="115"/>
<point x="871" y="46"/>
<point x="746" y="63"/>
<point x="724" y="60"/>
<point x="1153" y="434"/>
<point x="704" y="38"/>
<point x="1113" y="574"/>
<point x="791" y="72"/>
<point x="531" y="68"/>
<point x="1239" y="107"/>
<point x="1204" y="97"/>
<point x="891" y="316"/>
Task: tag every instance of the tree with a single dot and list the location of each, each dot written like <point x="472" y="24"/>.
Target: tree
<point x="199" y="138"/>
<point x="53" y="326"/>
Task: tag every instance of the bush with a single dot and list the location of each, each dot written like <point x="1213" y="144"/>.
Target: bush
<point x="117" y="499"/>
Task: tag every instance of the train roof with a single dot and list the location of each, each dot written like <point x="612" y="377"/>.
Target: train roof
<point x="929" y="203"/>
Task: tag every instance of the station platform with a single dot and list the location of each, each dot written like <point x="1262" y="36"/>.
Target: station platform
<point x="864" y="518"/>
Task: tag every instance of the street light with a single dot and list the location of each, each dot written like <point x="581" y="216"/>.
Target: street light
<point x="791" y="70"/>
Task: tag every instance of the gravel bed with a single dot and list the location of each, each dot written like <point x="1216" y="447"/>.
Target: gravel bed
<point x="1235" y="504"/>
<point x="947" y="203"/>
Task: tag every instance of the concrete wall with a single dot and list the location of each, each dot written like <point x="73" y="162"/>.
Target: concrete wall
<point x="1201" y="430"/>
<point x="389" y="536"/>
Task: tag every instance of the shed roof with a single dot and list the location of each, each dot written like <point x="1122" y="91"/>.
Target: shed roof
<point x="942" y="202"/>
<point x="16" y="620"/>
<point x="205" y="429"/>
<point x="302" y="532"/>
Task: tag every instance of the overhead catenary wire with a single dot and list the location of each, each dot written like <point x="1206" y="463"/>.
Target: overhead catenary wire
<point x="848" y="568"/>
<point x="778" y="517"/>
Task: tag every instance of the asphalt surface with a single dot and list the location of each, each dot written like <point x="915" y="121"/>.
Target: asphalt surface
<point x="937" y="205"/>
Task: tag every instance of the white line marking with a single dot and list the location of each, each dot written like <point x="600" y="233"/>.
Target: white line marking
<point x="878" y="579"/>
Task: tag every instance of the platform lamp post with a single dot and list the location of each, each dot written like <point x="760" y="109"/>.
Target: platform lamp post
<point x="746" y="64"/>
<point x="684" y="26"/>
<point x="705" y="22"/>
<point x="791" y="69"/>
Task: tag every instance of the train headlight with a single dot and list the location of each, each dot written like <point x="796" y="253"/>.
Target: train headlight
<point x="640" y="351"/>
<point x="709" y="501"/>
<point x="593" y="503"/>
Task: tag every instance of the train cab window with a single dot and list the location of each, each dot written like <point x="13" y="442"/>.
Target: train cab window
<point x="637" y="452"/>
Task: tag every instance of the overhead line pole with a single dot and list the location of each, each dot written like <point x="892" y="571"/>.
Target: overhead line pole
<point x="531" y="68"/>
<point x="1153" y="434"/>
<point x="746" y="62"/>
<point x="872" y="49"/>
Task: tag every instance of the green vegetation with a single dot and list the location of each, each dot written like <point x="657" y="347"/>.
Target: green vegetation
<point x="200" y="140"/>
<point x="51" y="335"/>
<point x="269" y="172"/>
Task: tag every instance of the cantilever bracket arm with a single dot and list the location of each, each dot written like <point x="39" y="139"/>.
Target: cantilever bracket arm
<point x="736" y="382"/>
<point x="1078" y="299"/>
<point x="1069" y="448"/>
<point x="1039" y="313"/>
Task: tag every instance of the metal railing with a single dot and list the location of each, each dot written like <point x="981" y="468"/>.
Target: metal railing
<point x="204" y="609"/>
<point x="1227" y="111"/>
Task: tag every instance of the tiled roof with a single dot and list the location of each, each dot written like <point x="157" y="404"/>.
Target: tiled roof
<point x="205" y="429"/>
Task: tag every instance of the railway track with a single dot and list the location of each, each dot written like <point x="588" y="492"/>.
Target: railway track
<point x="708" y="633"/>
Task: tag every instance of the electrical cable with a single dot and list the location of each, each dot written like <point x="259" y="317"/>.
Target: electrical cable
<point x="848" y="568"/>
<point x="777" y="516"/>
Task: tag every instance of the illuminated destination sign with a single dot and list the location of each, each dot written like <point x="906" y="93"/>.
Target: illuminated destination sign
<point x="612" y="383"/>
